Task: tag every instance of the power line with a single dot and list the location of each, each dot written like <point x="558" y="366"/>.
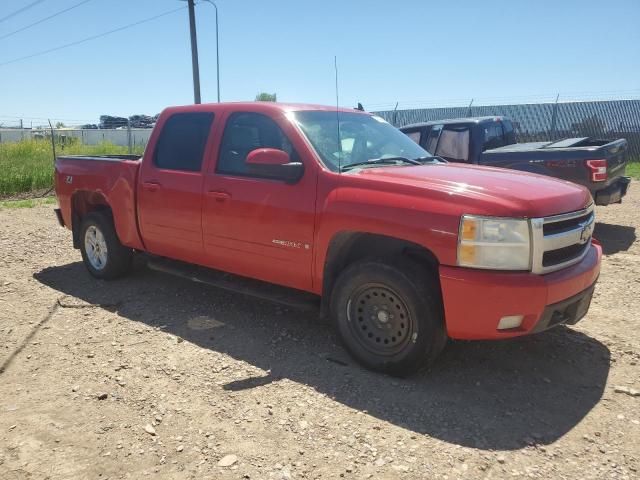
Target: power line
<point x="44" y="19"/>
<point x="20" y="10"/>
<point x="93" y="37"/>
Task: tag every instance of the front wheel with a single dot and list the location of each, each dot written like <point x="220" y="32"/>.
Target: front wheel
<point x="103" y="254"/>
<point x="389" y="315"/>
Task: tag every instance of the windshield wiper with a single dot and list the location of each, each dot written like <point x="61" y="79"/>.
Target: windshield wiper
<point x="381" y="161"/>
<point x="431" y="158"/>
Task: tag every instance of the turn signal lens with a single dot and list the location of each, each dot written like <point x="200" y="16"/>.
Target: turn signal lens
<point x="467" y="254"/>
<point x="494" y="243"/>
<point x="469" y="229"/>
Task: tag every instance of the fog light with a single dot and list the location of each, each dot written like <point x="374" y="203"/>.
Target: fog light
<point x="510" y="321"/>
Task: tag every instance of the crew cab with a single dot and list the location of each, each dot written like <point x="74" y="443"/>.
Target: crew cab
<point x="401" y="249"/>
<point x="599" y="165"/>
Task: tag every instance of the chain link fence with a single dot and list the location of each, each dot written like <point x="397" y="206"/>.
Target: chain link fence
<point x="131" y="137"/>
<point x="606" y="119"/>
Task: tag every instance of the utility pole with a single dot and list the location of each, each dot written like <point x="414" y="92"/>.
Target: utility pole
<point x="217" y="48"/>
<point x="194" y="53"/>
<point x="217" y="52"/>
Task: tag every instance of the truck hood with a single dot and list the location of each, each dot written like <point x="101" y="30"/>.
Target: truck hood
<point x="484" y="190"/>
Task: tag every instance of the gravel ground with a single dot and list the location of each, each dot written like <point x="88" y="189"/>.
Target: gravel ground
<point x="153" y="375"/>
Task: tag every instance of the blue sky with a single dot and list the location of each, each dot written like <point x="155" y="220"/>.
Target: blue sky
<point x="420" y="53"/>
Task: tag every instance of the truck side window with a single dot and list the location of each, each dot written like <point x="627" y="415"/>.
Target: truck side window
<point x="509" y="133"/>
<point x="244" y="132"/>
<point x="454" y="144"/>
<point x="493" y="136"/>
<point x="182" y="141"/>
<point x="415" y="136"/>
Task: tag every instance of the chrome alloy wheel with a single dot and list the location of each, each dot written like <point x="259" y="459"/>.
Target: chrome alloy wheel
<point x="95" y="247"/>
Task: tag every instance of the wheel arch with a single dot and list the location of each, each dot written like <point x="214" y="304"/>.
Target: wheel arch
<point x="347" y="247"/>
<point x="84" y="202"/>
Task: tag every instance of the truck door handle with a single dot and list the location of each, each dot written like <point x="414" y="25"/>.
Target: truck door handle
<point x="219" y="196"/>
<point x="151" y="186"/>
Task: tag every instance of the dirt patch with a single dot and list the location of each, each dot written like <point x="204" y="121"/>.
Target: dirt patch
<point x="152" y="375"/>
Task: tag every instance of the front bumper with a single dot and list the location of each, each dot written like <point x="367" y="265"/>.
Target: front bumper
<point x="476" y="300"/>
<point x="613" y="193"/>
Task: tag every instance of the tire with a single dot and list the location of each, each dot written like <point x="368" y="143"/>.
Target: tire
<point x="103" y="254"/>
<point x="389" y="315"/>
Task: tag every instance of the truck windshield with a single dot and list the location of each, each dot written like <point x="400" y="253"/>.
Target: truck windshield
<point x="362" y="138"/>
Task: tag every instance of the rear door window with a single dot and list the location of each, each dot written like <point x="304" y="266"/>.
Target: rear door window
<point x="493" y="136"/>
<point x="509" y="133"/>
<point x="182" y="141"/>
<point x="454" y="144"/>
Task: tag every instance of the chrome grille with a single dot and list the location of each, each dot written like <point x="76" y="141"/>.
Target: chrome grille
<point x="561" y="240"/>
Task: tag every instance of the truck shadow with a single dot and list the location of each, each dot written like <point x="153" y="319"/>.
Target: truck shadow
<point x="614" y="238"/>
<point x="486" y="395"/>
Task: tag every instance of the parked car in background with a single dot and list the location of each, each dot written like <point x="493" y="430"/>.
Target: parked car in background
<point x="598" y="165"/>
<point x="400" y="249"/>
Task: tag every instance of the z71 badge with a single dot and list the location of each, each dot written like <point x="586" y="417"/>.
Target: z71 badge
<point x="290" y="244"/>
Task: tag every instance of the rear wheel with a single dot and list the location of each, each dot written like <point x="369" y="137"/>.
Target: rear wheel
<point x="103" y="254"/>
<point x="389" y="315"/>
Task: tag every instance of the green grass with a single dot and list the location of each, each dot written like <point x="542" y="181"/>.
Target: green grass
<point x="28" y="165"/>
<point x="28" y="203"/>
<point x="633" y="169"/>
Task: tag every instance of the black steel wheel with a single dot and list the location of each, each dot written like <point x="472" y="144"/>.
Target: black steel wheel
<point x="379" y="319"/>
<point x="389" y="315"/>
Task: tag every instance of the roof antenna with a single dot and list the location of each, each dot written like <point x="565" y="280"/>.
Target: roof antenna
<point x="335" y="66"/>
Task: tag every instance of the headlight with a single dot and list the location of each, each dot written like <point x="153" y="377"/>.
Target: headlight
<point x="494" y="243"/>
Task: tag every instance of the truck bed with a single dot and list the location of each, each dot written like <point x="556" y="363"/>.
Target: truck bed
<point x="109" y="180"/>
<point x="578" y="143"/>
<point x="565" y="159"/>
<point x="103" y="158"/>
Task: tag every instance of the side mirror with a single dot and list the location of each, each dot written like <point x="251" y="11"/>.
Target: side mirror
<point x="275" y="164"/>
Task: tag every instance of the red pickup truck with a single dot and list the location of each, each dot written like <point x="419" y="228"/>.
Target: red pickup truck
<point x="402" y="250"/>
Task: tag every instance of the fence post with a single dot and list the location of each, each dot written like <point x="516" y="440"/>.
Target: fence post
<point x="554" y="119"/>
<point x="129" y="136"/>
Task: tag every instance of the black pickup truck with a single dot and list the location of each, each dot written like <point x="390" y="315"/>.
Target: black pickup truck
<point x="599" y="165"/>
